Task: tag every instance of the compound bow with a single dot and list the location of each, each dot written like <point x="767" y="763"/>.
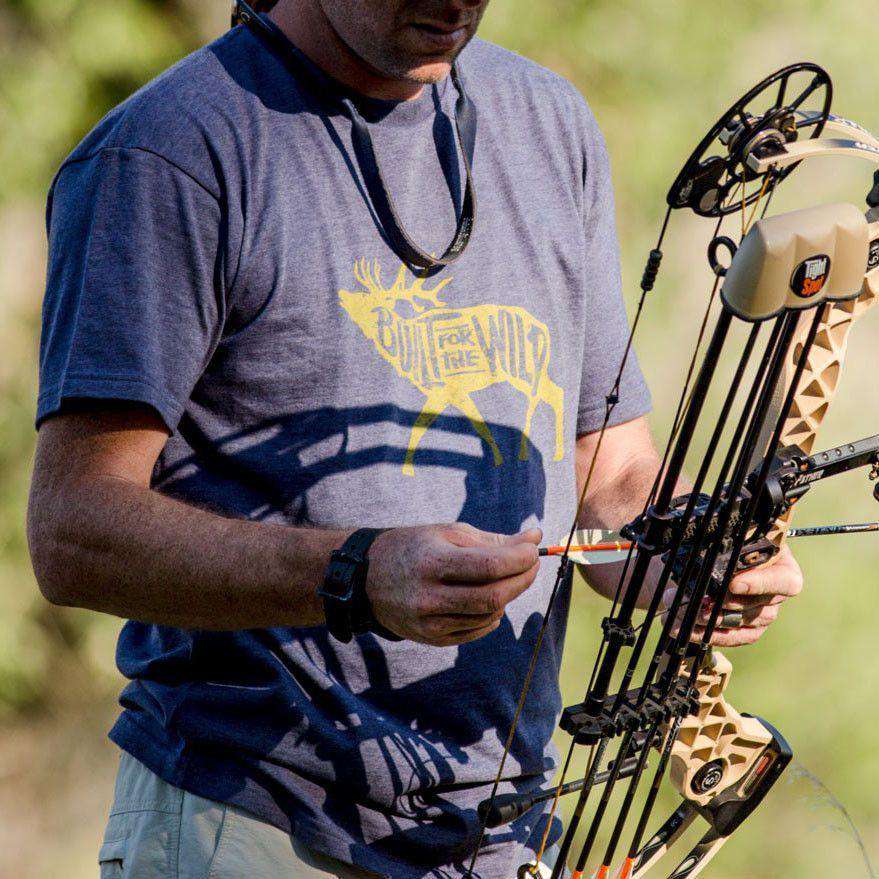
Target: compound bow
<point x="802" y="279"/>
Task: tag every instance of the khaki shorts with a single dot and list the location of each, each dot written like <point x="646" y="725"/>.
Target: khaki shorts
<point x="158" y="831"/>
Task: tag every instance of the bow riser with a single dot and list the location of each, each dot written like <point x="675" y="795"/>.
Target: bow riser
<point x="823" y="373"/>
<point x="719" y="738"/>
<point x="723" y="763"/>
<point x="719" y="744"/>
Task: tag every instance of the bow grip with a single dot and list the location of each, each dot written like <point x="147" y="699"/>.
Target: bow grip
<point x="756" y="553"/>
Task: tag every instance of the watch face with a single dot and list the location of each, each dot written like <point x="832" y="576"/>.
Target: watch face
<point x="341" y="590"/>
<point x="339" y="581"/>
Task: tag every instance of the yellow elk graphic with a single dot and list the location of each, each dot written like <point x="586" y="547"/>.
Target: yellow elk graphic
<point x="450" y="353"/>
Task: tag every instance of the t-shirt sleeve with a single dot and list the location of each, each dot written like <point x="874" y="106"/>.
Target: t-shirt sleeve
<point x="134" y="293"/>
<point x="606" y="326"/>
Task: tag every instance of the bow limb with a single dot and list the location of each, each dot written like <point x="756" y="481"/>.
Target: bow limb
<point x="723" y="763"/>
<point x="699" y="857"/>
<point x="661" y="841"/>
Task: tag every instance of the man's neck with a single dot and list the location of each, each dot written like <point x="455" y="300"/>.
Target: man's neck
<point x="306" y="26"/>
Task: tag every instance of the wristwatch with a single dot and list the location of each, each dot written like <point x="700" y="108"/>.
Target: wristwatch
<point x="346" y="604"/>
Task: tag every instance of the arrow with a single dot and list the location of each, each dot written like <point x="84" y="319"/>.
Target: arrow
<point x="825" y="530"/>
<point x="592" y="546"/>
<point x="597" y="547"/>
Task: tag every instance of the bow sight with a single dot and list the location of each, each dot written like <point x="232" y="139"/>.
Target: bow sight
<point x="796" y="283"/>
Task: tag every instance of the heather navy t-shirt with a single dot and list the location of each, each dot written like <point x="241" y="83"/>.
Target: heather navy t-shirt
<point x="215" y="256"/>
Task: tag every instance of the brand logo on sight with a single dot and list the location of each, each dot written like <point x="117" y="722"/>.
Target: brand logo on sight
<point x="810" y="276"/>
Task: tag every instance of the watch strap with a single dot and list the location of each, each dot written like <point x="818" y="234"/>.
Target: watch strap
<point x="346" y="604"/>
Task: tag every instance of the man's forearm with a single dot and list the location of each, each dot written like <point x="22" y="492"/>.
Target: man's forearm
<point x="121" y="548"/>
<point x="620" y="497"/>
<point x="622" y="479"/>
<point x="617" y="502"/>
<point x="102" y="538"/>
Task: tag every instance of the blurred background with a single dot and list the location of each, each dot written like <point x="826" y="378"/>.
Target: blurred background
<point x="656" y="75"/>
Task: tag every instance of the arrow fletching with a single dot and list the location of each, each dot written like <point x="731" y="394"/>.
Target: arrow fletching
<point x="592" y="546"/>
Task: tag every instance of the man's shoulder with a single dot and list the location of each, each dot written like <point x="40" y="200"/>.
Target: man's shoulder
<point x="182" y="115"/>
<point x="501" y="71"/>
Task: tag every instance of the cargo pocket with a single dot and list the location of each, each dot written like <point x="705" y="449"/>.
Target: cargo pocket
<point x="111" y="858"/>
<point x="140" y="844"/>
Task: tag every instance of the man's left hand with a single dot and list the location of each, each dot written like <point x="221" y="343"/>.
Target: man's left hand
<point x="757" y="595"/>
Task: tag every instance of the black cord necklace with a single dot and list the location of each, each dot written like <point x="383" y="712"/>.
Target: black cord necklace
<point x="383" y="204"/>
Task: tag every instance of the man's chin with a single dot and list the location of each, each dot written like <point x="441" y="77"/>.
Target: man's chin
<point x="429" y="73"/>
<point x="423" y="68"/>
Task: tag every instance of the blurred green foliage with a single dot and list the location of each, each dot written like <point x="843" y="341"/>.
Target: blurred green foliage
<point x="63" y="64"/>
<point x="656" y="76"/>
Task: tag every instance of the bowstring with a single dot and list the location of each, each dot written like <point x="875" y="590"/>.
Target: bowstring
<point x="757" y="202"/>
<point x="611" y="402"/>
<point x="680" y="414"/>
<point x="555" y="802"/>
<point x="686" y="397"/>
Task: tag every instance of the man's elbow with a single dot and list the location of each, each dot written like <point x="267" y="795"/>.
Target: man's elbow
<point x="53" y="558"/>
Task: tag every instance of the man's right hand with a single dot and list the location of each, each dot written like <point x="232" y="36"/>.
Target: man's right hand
<point x="448" y="584"/>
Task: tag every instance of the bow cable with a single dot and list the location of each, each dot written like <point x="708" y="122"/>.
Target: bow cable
<point x="663" y="581"/>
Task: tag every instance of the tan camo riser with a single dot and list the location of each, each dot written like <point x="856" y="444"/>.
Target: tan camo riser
<point x="821" y="376"/>
<point x="719" y="732"/>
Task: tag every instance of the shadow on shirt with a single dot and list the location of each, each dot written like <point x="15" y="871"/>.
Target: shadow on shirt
<point x="383" y="748"/>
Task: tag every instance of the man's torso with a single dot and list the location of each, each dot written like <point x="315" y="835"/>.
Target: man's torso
<point x="338" y="389"/>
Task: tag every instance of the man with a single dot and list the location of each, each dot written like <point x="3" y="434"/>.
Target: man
<point x="238" y="374"/>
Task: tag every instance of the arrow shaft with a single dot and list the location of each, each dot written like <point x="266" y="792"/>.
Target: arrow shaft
<point x="827" y="530"/>
<point x="622" y="546"/>
<point x="619" y="546"/>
